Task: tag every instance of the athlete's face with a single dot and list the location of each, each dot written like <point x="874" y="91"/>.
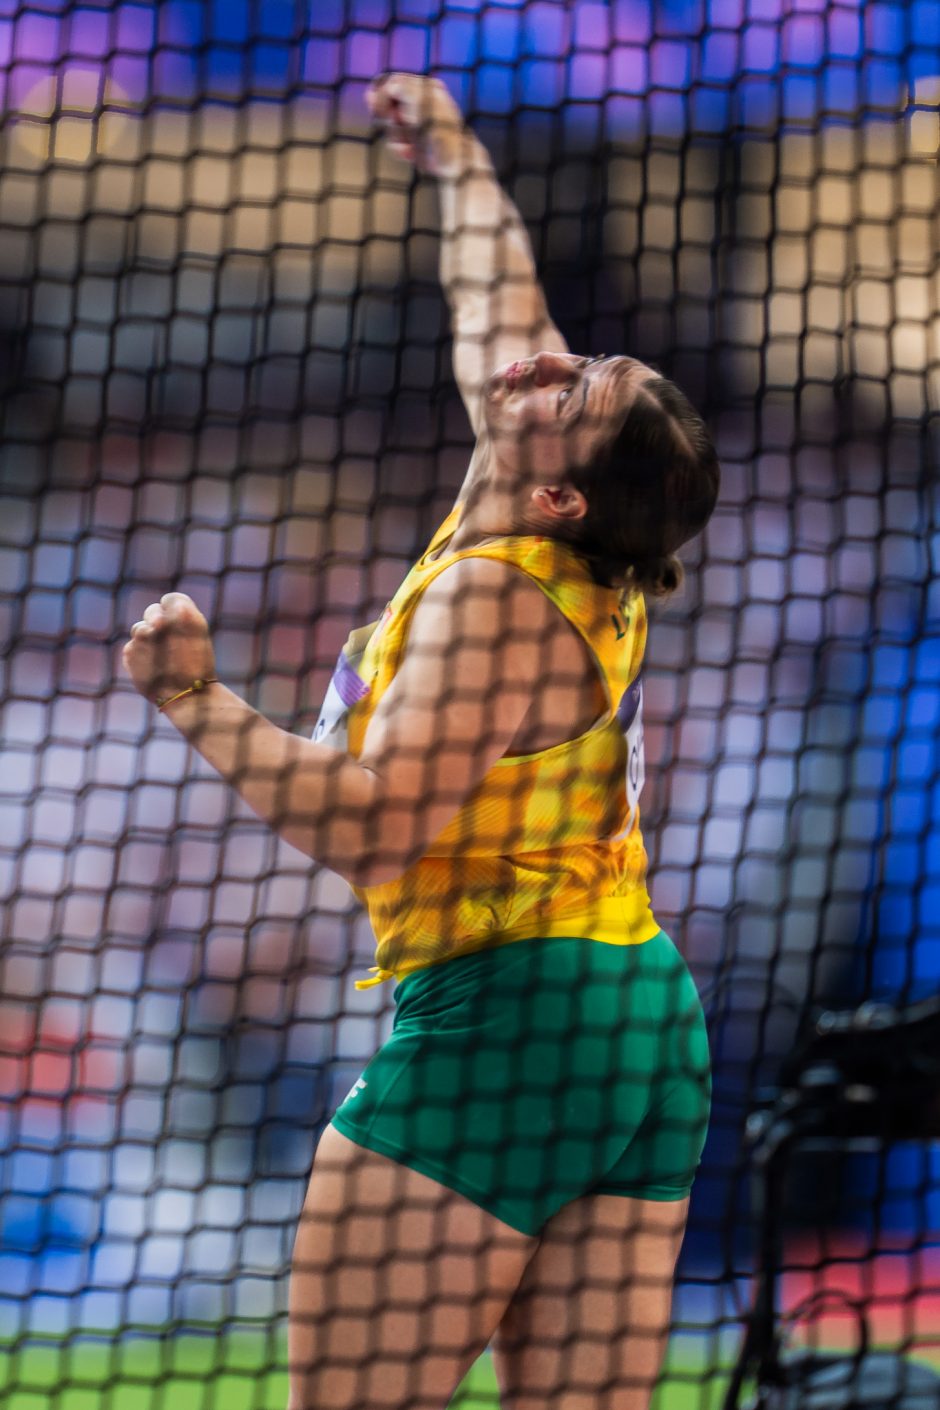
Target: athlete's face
<point x="548" y="413"/>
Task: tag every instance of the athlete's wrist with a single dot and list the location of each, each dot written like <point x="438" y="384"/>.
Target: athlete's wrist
<point x="468" y="168"/>
<point x="466" y="160"/>
<point x="175" y="693"/>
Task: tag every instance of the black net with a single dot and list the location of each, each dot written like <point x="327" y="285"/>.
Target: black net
<point x="226" y="365"/>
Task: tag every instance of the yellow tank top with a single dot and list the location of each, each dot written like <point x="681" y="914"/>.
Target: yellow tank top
<point x="548" y="843"/>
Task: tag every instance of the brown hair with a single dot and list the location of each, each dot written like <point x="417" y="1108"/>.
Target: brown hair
<point x="652" y="487"/>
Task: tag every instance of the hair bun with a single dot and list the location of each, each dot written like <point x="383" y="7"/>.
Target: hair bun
<point x="657" y="577"/>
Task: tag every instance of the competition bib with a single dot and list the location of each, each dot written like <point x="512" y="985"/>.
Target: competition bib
<point x="345" y="689"/>
<point x="630" y="717"/>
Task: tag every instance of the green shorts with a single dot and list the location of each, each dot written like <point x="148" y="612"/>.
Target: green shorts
<point x="526" y="1076"/>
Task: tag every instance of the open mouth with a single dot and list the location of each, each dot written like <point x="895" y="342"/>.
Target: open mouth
<point x="513" y="374"/>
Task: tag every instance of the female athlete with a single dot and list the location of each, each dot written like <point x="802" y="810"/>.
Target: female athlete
<point x="513" y="1167"/>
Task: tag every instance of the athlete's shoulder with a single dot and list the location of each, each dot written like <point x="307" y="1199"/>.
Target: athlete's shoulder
<point x="490" y="591"/>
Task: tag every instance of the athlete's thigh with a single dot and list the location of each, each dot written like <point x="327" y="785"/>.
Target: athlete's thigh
<point x="587" y="1326"/>
<point x="397" y="1284"/>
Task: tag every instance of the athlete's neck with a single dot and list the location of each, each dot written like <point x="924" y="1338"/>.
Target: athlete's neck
<point x="490" y="504"/>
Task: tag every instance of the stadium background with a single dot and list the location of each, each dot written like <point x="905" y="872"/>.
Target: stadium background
<point x="225" y="369"/>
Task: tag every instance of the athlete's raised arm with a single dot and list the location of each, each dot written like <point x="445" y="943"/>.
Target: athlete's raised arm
<point x="498" y="309"/>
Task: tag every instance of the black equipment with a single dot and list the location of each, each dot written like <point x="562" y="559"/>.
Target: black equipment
<point x="869" y="1075"/>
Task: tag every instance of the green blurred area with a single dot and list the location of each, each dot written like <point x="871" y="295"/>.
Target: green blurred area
<point x="235" y="1370"/>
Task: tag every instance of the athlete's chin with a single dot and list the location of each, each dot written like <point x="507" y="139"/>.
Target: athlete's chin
<point x="508" y="434"/>
<point x="500" y="417"/>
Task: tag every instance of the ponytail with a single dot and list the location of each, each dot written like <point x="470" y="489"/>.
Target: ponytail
<point x="654" y="577"/>
<point x="657" y="577"/>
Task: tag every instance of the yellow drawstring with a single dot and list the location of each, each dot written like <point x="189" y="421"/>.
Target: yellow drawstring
<point x="380" y="977"/>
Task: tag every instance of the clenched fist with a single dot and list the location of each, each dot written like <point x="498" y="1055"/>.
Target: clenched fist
<point x="169" y="648"/>
<point x="422" y="122"/>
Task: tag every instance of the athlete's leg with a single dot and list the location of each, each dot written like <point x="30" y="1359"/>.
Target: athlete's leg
<point x="397" y="1286"/>
<point x="587" y="1326"/>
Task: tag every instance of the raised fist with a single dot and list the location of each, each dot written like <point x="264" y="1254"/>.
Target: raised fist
<point x="169" y="648"/>
<point x="421" y="121"/>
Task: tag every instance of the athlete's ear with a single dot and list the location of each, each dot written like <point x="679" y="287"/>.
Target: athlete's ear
<point x="559" y="502"/>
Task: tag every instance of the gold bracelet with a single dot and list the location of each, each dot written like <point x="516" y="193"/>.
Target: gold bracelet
<point x="194" y="689"/>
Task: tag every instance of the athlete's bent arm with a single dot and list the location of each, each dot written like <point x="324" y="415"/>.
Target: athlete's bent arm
<point x="449" y="714"/>
<point x="498" y="309"/>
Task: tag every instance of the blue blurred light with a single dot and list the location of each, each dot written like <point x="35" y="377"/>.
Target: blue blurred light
<point x="326" y="17"/>
<point x="840" y="88"/>
<point x="455" y="42"/>
<point x="276" y="19"/>
<point x="925" y="26"/>
<point x="230" y="22"/>
<point x="885" y="28"/>
<point x="495" y="88"/>
<point x="224" y="74"/>
<point x="719" y="57"/>
<point x="906" y="954"/>
<point x="778" y="63"/>
<point x="272" y="67"/>
<point x="410" y="49"/>
<point x="501" y="36"/>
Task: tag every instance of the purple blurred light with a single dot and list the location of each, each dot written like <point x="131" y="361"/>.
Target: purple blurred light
<point x="808" y="53"/>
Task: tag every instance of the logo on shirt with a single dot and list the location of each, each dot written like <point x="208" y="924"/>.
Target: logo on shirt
<point x="630" y="719"/>
<point x="621" y="624"/>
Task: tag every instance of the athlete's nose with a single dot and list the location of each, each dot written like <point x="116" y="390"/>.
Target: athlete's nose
<point x="554" y="367"/>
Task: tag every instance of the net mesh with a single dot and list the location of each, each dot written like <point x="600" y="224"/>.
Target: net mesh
<point x="226" y="371"/>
